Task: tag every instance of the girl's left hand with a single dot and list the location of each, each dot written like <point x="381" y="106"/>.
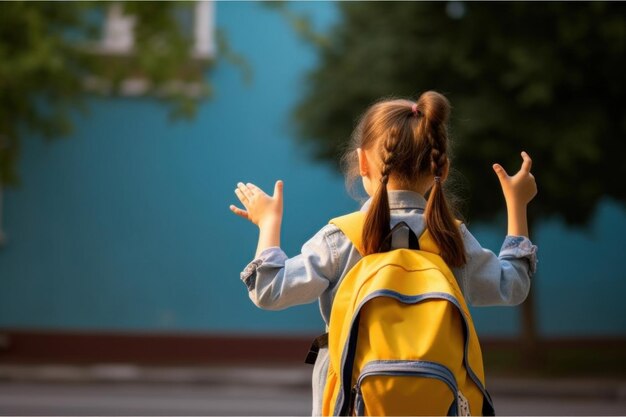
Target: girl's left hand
<point x="260" y="208"/>
<point x="521" y="188"/>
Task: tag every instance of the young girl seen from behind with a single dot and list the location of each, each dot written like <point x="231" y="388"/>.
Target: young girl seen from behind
<point x="400" y="150"/>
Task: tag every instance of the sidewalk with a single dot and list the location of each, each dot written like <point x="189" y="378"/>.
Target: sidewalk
<point x="288" y="377"/>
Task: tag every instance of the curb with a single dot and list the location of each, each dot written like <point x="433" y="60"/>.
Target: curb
<point x="287" y="377"/>
<point x="582" y="388"/>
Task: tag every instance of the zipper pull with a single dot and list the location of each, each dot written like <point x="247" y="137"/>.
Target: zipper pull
<point x="463" y="405"/>
<point x="357" y="406"/>
<point x="352" y="400"/>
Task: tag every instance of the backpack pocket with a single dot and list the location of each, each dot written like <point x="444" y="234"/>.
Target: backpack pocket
<point x="404" y="387"/>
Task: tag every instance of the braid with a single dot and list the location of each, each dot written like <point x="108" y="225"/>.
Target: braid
<point x="438" y="155"/>
<point x="439" y="219"/>
<point x="378" y="219"/>
<point x="388" y="155"/>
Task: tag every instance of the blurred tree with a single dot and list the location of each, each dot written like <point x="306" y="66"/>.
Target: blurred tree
<point x="51" y="53"/>
<point x="547" y="78"/>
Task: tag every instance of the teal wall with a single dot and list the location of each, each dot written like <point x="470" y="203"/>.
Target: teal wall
<point x="125" y="225"/>
<point x="580" y="284"/>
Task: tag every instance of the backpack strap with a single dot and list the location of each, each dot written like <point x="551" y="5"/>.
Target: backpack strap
<point x="352" y="226"/>
<point x="319" y="342"/>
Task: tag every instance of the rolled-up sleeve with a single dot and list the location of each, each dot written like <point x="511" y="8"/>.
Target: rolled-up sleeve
<point x="488" y="279"/>
<point x="275" y="281"/>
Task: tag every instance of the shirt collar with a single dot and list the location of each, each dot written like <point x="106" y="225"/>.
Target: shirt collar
<point x="401" y="199"/>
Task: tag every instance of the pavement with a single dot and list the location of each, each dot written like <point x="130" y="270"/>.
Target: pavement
<point x="293" y="377"/>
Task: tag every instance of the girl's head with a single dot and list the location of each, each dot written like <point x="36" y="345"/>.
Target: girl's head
<point x="400" y="144"/>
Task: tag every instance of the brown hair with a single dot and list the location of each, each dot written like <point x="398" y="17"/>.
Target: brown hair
<point x="412" y="141"/>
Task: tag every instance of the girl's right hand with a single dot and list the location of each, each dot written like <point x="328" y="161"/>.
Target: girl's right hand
<point x="260" y="208"/>
<point x="521" y="188"/>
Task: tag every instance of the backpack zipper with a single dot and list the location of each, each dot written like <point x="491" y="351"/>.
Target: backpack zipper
<point x="424" y="369"/>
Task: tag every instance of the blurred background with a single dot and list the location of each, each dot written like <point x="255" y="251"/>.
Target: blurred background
<point x="124" y="128"/>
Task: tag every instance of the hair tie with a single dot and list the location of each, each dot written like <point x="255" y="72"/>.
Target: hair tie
<point x="384" y="179"/>
<point x="415" y="111"/>
<point x="437" y="179"/>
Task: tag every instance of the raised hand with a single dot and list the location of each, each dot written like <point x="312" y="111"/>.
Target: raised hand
<point x="521" y="188"/>
<point x="518" y="191"/>
<point x="263" y="210"/>
<point x="259" y="207"/>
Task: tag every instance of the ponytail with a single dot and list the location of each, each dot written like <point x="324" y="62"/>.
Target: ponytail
<point x="377" y="221"/>
<point x="443" y="227"/>
<point x="440" y="221"/>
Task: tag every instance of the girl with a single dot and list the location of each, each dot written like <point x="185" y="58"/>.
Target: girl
<point x="400" y="151"/>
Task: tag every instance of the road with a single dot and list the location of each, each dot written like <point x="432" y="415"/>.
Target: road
<point x="157" y="399"/>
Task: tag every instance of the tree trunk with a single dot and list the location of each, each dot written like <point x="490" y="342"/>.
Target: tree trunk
<point x="530" y="343"/>
<point x="531" y="353"/>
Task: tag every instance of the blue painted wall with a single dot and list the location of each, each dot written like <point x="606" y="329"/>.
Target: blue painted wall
<point x="580" y="284"/>
<point x="125" y="224"/>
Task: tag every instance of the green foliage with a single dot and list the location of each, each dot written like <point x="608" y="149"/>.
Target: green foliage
<point x="49" y="49"/>
<point x="547" y="78"/>
<point x="301" y="24"/>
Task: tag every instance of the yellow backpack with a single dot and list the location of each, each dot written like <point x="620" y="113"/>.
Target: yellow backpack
<point x="401" y="340"/>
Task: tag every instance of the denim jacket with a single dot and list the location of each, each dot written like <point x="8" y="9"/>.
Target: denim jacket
<point x="275" y="281"/>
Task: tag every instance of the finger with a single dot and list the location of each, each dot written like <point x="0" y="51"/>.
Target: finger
<point x="278" y="190"/>
<point x="528" y="163"/>
<point x="245" y="190"/>
<point x="500" y="172"/>
<point x="241" y="196"/>
<point x="239" y="212"/>
<point x="254" y="188"/>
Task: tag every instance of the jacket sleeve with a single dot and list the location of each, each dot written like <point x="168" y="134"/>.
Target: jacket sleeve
<point x="490" y="280"/>
<point x="275" y="281"/>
